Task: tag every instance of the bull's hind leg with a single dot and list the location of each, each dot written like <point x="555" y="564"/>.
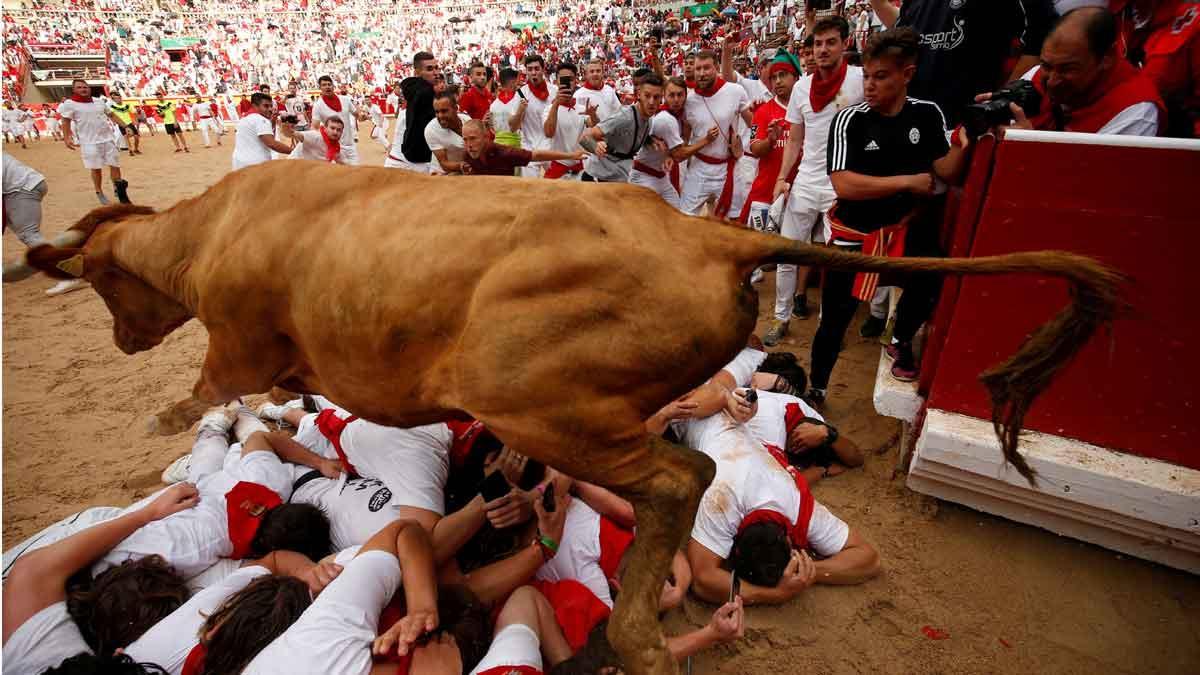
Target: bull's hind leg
<point x="665" y="501"/>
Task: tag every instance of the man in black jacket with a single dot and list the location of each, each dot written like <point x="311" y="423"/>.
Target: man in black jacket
<point x="418" y="92"/>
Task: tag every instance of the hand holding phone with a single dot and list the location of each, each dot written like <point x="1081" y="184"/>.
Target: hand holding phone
<point x="494" y="486"/>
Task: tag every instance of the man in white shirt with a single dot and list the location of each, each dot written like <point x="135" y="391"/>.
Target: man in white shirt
<point x="656" y="168"/>
<point x="758" y="93"/>
<point x="540" y="95"/>
<point x="814" y="102"/>
<point x="24" y="189"/>
<point x="595" y="94"/>
<point x="331" y="104"/>
<point x="379" y="125"/>
<point x="393" y="100"/>
<point x="715" y="103"/>
<point x="255" y="139"/>
<point x="563" y="123"/>
<point x="507" y="113"/>
<point x="443" y="134"/>
<point x="12" y="124"/>
<point x="296" y="103"/>
<point x="321" y="145"/>
<point x="206" y="115"/>
<point x="88" y="119"/>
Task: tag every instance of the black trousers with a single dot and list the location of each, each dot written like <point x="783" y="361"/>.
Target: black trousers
<point x="838" y="304"/>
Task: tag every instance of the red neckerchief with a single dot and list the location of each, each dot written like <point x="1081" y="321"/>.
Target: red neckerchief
<point x="505" y="95"/>
<point x="194" y="665"/>
<point x="333" y="101"/>
<point x="510" y="670"/>
<point x="691" y="84"/>
<point x="798" y="532"/>
<point x="614" y="541"/>
<point x="542" y="92"/>
<point x="245" y="506"/>
<point x="589" y="85"/>
<point x="81" y="99"/>
<point x="332" y="147"/>
<point x="823" y="92"/>
<point x="1125" y="86"/>
<point x="717" y="84"/>
<point x="331" y="427"/>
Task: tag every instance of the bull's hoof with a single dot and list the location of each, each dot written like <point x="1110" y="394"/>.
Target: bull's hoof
<point x="279" y="395"/>
<point x="166" y="424"/>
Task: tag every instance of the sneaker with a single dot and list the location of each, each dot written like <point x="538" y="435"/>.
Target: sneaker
<point x="815" y="397"/>
<point x="275" y="413"/>
<point x="776" y="333"/>
<point x="66" y="286"/>
<point x="121" y="187"/>
<point x="102" y="199"/>
<point x="219" y="419"/>
<point x="178" y="471"/>
<point x="904" y="367"/>
<point x="800" y="306"/>
<point x="757" y="276"/>
<point x="873" y="327"/>
<point x="892" y="350"/>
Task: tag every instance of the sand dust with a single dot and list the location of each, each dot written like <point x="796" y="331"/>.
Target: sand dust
<point x="1012" y="598"/>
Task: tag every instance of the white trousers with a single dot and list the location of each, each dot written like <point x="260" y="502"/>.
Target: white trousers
<point x="210" y="124"/>
<point x="805" y="209"/>
<point x="704" y="182"/>
<point x="743" y="177"/>
<point x="662" y="186"/>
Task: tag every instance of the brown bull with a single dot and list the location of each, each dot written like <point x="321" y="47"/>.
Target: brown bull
<point x="561" y="315"/>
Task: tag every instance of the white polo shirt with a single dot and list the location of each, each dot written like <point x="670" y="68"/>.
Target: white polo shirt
<point x="441" y="138"/>
<point x="812" y="173"/>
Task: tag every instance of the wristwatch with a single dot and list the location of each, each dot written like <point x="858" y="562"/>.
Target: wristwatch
<point x="832" y="437"/>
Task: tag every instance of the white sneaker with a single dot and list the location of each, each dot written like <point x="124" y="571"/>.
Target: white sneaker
<point x="66" y="286"/>
<point x="275" y="413"/>
<point x="219" y="419"/>
<point x="178" y="471"/>
<point x="757" y="277"/>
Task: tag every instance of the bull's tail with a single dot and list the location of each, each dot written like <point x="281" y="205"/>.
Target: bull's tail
<point x="1016" y="382"/>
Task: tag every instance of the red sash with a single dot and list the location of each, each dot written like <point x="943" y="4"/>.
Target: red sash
<point x="558" y="169"/>
<point x="887" y="241"/>
<point x="614" y="542"/>
<point x="798" y="532"/>
<point x="648" y="170"/>
<point x="576" y="609"/>
<point x="331" y="427"/>
<point x="194" y="664"/>
<point x="726" y="199"/>
<point x="245" y="506"/>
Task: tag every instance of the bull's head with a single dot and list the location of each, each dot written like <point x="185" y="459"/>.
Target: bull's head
<point x="142" y="315"/>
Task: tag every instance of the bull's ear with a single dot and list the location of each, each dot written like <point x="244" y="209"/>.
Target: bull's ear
<point x="55" y="262"/>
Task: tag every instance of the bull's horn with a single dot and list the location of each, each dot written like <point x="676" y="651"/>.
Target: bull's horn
<point x="21" y="270"/>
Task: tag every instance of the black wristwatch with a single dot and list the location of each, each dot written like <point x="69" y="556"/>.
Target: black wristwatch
<point x="832" y="437"/>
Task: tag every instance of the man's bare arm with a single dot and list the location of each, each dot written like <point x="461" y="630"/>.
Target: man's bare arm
<point x="887" y="12"/>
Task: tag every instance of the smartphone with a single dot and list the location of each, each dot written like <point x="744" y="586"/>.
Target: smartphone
<point x="494" y="487"/>
<point x="521" y="94"/>
<point x="735" y="586"/>
<point x="548" y="503"/>
<point x="752" y="396"/>
<point x="564" y="82"/>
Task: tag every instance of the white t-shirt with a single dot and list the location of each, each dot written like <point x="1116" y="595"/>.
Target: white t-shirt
<point x="515" y="645"/>
<point x="533" y="137"/>
<point x="321" y="112"/>
<point x="295" y="105"/>
<point x="441" y="138"/>
<point x="311" y="146"/>
<point x="169" y="641"/>
<point x="357" y="508"/>
<point x="769" y="424"/>
<point x="44" y="641"/>
<point x="204" y="110"/>
<point x="502" y="113"/>
<point x="812" y="172"/>
<point x="665" y="128"/>
<point x="335" y="633"/>
<point x="748" y="478"/>
<point x="193" y="539"/>
<point x="248" y="148"/>
<point x="398" y="135"/>
<point x="413" y="463"/>
<point x="744" y="365"/>
<point x="393" y="102"/>
<point x="89" y="121"/>
<point x="578" y="556"/>
<point x="569" y="126"/>
<point x="605" y="99"/>
<point x="18" y="176"/>
<point x="721" y="110"/>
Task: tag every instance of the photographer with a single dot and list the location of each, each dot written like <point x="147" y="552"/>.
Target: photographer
<point x="563" y="124"/>
<point x="1085" y="83"/>
<point x="887" y="158"/>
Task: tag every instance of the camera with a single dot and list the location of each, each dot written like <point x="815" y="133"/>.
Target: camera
<point x="979" y="117"/>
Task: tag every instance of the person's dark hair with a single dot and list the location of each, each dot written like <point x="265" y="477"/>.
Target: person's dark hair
<point x="653" y="79"/>
<point x="508" y="75"/>
<point x="532" y="476"/>
<point x="96" y="664"/>
<point x="78" y="80"/>
<point x="761" y="553"/>
<point x="464" y="616"/>
<point x="258" y="97"/>
<point x="707" y="55"/>
<point x="477" y="64"/>
<point x="534" y="58"/>
<point x="832" y="23"/>
<point x="302" y="528"/>
<point x="809" y="41"/>
<point x="596" y="657"/>
<point x="264" y="86"/>
<point x="1099" y="26"/>
<point x="251" y="619"/>
<point x="120" y="604"/>
<point x="567" y="66"/>
<point x="447" y="93"/>
<point x="421" y="57"/>
<point x="677" y="82"/>
<point x="900" y="44"/>
<point x="324" y="78"/>
<point x="786" y="365"/>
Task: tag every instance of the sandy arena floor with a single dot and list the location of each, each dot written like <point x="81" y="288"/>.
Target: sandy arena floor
<point x="1012" y="598"/>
